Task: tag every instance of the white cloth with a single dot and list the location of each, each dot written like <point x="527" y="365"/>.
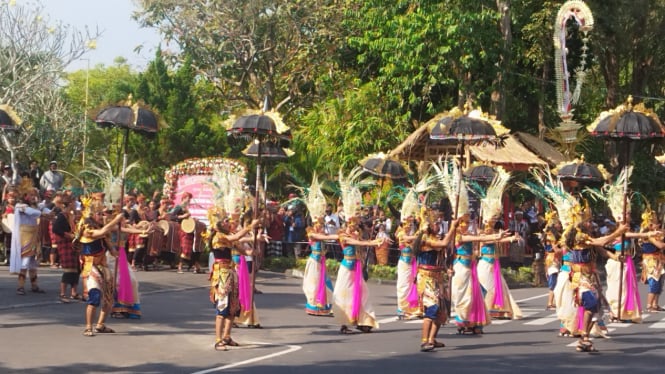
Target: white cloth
<point x="23" y="215"/>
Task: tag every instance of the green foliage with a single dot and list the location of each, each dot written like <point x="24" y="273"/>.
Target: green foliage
<point x="384" y="272"/>
<point x="279" y="264"/>
<point x="522" y="277"/>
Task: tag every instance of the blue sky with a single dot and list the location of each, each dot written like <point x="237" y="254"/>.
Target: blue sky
<point x="120" y="34"/>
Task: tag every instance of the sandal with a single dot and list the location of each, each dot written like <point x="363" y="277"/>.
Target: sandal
<point x="438" y="344"/>
<point x="88" y="332"/>
<point x="104" y="329"/>
<point x="37" y="290"/>
<point x="426" y="347"/>
<point x="365" y="329"/>
<point x="20" y="291"/>
<point x="230" y="342"/>
<point x="220" y="346"/>
<point x="345" y="330"/>
<point x="550" y="307"/>
<point x="76" y="297"/>
<point x="64" y="299"/>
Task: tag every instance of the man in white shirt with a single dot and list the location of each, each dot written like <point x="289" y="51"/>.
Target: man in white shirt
<point x="52" y="179"/>
<point x="331" y="221"/>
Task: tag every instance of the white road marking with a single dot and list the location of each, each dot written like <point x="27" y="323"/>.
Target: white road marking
<point x="292" y="348"/>
<point x="532" y="298"/>
<point x="543" y="321"/>
<point x="387" y="320"/>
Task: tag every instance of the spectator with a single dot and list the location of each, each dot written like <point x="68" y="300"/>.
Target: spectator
<point x="331" y="220"/>
<point x="518" y="248"/>
<point x="6" y="177"/>
<point x="52" y="179"/>
<point x="35" y="173"/>
<point x="276" y="232"/>
<point x="297" y="231"/>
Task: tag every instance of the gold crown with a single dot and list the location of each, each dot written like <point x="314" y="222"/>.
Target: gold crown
<point x="648" y="217"/>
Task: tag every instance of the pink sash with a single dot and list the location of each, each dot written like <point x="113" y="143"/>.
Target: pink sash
<point x="632" y="292"/>
<point x="478" y="314"/>
<point x="125" y="292"/>
<point x="413" y="298"/>
<point x="321" y="300"/>
<point x="498" y="286"/>
<point x="244" y="286"/>
<point x="357" y="291"/>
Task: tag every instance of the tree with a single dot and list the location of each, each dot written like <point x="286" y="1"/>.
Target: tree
<point x="251" y="49"/>
<point x="33" y="54"/>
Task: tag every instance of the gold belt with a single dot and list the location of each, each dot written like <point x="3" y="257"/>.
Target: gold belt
<point x="464" y="256"/>
<point x="350" y="257"/>
<point x="582" y="267"/>
<point x="650" y="254"/>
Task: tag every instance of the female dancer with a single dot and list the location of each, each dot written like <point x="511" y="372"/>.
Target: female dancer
<point x="351" y="304"/>
<point x="498" y="299"/>
<point x="551" y="235"/>
<point x="584" y="279"/>
<point x="224" y="280"/>
<point x="471" y="313"/>
<point x="316" y="284"/>
<point x="652" y="260"/>
<point x="408" y="302"/>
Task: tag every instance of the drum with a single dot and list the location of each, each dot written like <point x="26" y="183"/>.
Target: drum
<point x="156" y="241"/>
<point x="145" y="226"/>
<point x="200" y="229"/>
<point x="8" y="222"/>
<point x="188" y="225"/>
<point x="172" y="238"/>
<point x="164" y="225"/>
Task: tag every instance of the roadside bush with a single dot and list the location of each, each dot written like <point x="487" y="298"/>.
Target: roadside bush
<point x="384" y="272"/>
<point x="278" y="264"/>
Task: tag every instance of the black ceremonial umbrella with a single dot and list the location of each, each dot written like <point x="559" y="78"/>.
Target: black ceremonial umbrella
<point x="579" y="172"/>
<point x="9" y="121"/>
<point x="261" y="128"/>
<point x="480" y="173"/>
<point x="627" y="125"/>
<point x="384" y="167"/>
<point x="269" y="149"/>
<point x="129" y="115"/>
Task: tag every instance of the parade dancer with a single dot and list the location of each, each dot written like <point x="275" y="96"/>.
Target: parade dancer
<point x="409" y="302"/>
<point x="553" y="254"/>
<point x="432" y="286"/>
<point x="351" y="304"/>
<point x="97" y="276"/>
<point x="498" y="299"/>
<point x="224" y="279"/>
<point x="63" y="235"/>
<point x="317" y="285"/>
<point x="25" y="246"/>
<point x="652" y="260"/>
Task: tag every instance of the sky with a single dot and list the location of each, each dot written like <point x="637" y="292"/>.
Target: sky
<point x="120" y="34"/>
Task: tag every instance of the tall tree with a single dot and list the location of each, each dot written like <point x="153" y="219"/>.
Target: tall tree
<point x="33" y="55"/>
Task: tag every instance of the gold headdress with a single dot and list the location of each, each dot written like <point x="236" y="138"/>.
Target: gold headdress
<point x="25" y="187"/>
<point x="92" y="203"/>
<point x="551" y="217"/>
<point x="351" y="195"/>
<point x="449" y="174"/>
<point x="491" y="205"/>
<point x="648" y="217"/>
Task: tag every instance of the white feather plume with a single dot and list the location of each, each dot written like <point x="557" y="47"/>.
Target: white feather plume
<point x="410" y="205"/>
<point x="351" y="195"/>
<point x="491" y="205"/>
<point x="449" y="175"/>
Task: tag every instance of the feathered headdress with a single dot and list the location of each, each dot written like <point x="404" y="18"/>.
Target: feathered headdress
<point x="314" y="198"/>
<point x="449" y="174"/>
<point x="351" y="195"/>
<point x="92" y="203"/>
<point x="552" y="190"/>
<point x="492" y="203"/>
<point x="613" y="193"/>
<point x="410" y="205"/>
<point x="228" y="193"/>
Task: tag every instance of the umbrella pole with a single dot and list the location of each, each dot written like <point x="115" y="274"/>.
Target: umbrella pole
<point x="256" y="235"/>
<point x="450" y="252"/>
<point x="623" y="236"/>
<point x="378" y="199"/>
<point x="122" y="197"/>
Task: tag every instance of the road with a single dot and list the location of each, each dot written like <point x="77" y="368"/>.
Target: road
<point x="39" y="334"/>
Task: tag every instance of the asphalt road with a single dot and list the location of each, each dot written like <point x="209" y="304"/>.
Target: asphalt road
<point x="39" y="334"/>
